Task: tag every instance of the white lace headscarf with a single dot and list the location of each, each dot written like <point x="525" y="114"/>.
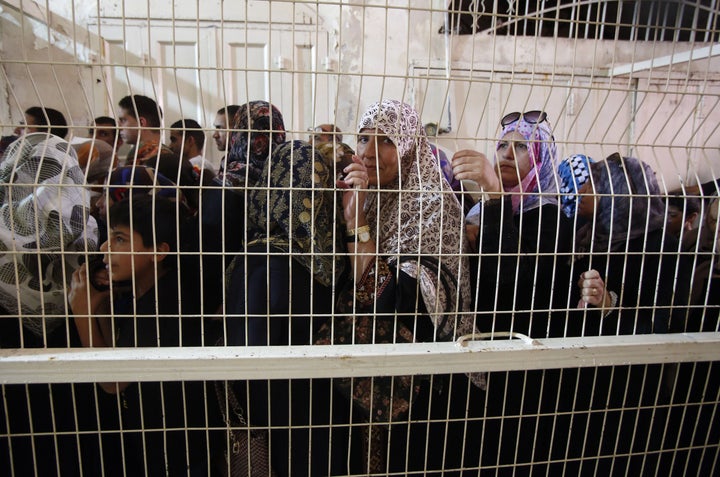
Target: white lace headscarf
<point x="417" y="216"/>
<point x="45" y="228"/>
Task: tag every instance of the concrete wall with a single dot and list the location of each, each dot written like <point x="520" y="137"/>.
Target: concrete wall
<point x="392" y="49"/>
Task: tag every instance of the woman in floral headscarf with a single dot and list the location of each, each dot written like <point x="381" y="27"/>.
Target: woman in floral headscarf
<point x="283" y="214"/>
<point x="279" y="285"/>
<point x="411" y="284"/>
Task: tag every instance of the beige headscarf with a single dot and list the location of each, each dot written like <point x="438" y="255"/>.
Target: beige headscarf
<point x="419" y="221"/>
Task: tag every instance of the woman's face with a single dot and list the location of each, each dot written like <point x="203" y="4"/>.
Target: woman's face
<point x="586" y="201"/>
<point x="379" y="155"/>
<point x="513" y="158"/>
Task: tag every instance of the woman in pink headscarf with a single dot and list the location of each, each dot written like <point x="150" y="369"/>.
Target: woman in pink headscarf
<point x="521" y="230"/>
<point x="523" y="278"/>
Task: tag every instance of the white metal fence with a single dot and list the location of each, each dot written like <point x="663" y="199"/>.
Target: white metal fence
<point x="566" y="391"/>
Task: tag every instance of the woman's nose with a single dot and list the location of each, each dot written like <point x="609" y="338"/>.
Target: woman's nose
<point x="509" y="153"/>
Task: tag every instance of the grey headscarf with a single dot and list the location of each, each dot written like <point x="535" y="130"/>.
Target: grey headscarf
<point x="629" y="205"/>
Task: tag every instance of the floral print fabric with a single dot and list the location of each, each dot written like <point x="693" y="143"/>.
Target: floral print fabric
<point x="419" y="216"/>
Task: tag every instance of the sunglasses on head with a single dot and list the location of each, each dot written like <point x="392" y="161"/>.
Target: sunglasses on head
<point x="617" y="159"/>
<point x="531" y="117"/>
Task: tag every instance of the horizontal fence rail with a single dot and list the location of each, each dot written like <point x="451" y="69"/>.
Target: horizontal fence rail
<point x="275" y="362"/>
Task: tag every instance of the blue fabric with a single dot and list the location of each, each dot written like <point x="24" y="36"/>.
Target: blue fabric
<point x="573" y="172"/>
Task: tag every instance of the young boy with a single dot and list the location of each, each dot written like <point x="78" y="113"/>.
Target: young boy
<point x="140" y="261"/>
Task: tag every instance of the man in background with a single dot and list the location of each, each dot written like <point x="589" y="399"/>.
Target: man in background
<point x="187" y="140"/>
<point x="139" y="119"/>
<point x="105" y="129"/>
<point x="326" y="133"/>
<point x="223" y="123"/>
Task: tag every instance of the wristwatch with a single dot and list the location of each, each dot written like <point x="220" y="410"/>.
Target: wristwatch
<point x="362" y="233"/>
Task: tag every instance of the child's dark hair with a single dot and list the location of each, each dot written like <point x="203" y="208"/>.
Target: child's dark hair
<point x="191" y="128"/>
<point x="155" y="218"/>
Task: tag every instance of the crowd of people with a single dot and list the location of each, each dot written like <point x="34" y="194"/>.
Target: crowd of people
<point x="290" y="242"/>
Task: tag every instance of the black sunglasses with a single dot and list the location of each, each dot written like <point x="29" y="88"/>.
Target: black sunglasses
<point x="531" y="117"/>
<point x="617" y="158"/>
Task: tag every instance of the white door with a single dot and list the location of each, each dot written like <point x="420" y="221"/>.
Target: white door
<point x="192" y="71"/>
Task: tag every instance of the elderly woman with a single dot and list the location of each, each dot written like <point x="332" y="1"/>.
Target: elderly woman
<point x="629" y="280"/>
<point x="625" y="264"/>
<point x="410" y="279"/>
<point x="280" y="283"/>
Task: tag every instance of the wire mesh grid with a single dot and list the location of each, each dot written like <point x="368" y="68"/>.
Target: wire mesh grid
<point x="426" y="238"/>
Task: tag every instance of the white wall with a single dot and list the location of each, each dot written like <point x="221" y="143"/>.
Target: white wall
<point x="382" y="49"/>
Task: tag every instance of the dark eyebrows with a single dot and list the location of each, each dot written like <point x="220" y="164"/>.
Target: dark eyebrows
<point x="119" y="233"/>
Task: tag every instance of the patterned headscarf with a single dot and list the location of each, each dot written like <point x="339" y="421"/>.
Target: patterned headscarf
<point x="629" y="205"/>
<point x="424" y="219"/>
<point x="337" y="155"/>
<point x="297" y="214"/>
<point x="96" y="158"/>
<point x="540" y="184"/>
<point x="573" y="171"/>
<point x="44" y="216"/>
<point x="258" y="126"/>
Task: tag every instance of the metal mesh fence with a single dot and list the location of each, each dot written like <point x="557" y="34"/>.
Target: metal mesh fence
<point x="352" y="238"/>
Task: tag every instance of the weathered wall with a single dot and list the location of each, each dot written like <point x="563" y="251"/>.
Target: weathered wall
<point x="666" y="115"/>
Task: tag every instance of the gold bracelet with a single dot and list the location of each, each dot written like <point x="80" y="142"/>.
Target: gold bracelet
<point x="361" y="234"/>
<point x="359" y="230"/>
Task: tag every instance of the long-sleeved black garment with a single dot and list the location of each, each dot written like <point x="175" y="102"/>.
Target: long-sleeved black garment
<point x="522" y="267"/>
<point x="651" y="281"/>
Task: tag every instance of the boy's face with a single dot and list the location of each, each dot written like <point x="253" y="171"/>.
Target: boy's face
<point x="220" y="135"/>
<point x="28" y="128"/>
<point x="126" y="256"/>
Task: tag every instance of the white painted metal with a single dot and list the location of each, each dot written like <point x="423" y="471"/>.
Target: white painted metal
<point x="325" y="61"/>
<point x="668" y="60"/>
<point x="172" y="364"/>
